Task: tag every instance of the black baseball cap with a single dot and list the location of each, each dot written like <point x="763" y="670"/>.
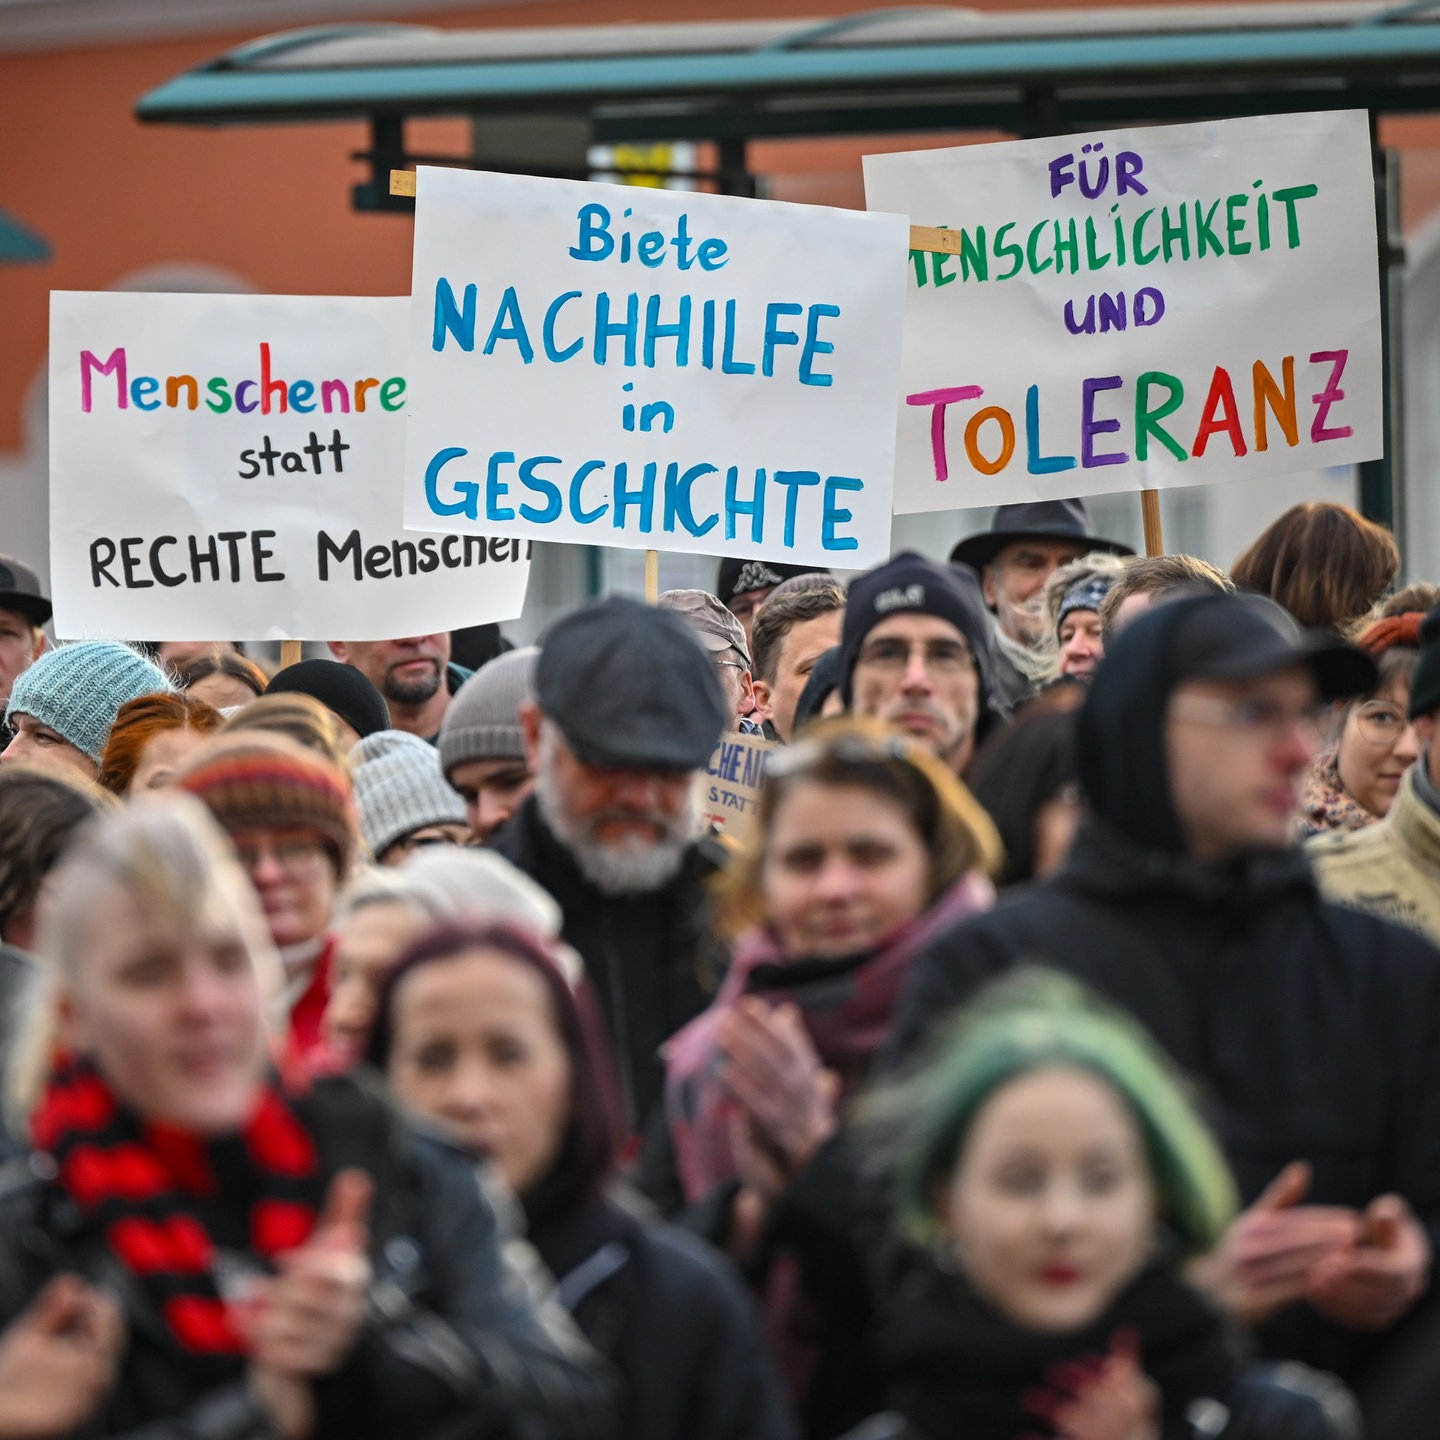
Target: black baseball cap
<point x="1247" y="637"/>
<point x="20" y="591"/>
<point x="630" y="687"/>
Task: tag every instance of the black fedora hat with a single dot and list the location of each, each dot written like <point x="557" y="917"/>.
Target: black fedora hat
<point x="20" y="591"/>
<point x="1062" y="520"/>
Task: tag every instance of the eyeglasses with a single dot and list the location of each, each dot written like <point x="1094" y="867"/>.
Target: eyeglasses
<point x="300" y="858"/>
<point x="1380" y="723"/>
<point x="893" y="654"/>
<point x="1256" y="717"/>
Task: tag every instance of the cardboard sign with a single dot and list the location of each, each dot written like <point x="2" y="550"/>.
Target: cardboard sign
<point x="653" y="369"/>
<point x="227" y="467"/>
<point x="729" y="787"/>
<point x="1138" y="308"/>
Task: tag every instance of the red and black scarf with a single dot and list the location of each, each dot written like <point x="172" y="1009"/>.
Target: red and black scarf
<point x="172" y="1207"/>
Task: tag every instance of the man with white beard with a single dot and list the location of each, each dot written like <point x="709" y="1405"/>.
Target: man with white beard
<point x="627" y="709"/>
<point x="1025" y="544"/>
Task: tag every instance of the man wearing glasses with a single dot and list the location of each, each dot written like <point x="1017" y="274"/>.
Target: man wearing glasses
<point x="1313" y="1030"/>
<point x="915" y="653"/>
<point x="723" y="639"/>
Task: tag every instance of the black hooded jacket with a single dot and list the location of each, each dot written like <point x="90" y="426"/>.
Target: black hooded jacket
<point x="1314" y="1031"/>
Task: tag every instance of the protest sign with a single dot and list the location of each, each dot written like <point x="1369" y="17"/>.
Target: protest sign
<point x="1137" y="308"/>
<point x="728" y="788"/>
<point x="228" y="467"/>
<point x="653" y="369"/>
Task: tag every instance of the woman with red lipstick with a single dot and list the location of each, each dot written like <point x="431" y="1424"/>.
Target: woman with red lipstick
<point x="864" y="846"/>
<point x="223" y="1255"/>
<point x="1051" y="1178"/>
<point x="478" y="1030"/>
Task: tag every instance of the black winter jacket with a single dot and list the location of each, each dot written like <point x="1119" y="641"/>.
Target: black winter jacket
<point x="455" y="1345"/>
<point x="649" y="956"/>
<point x="674" y="1320"/>
<point x="1314" y="1030"/>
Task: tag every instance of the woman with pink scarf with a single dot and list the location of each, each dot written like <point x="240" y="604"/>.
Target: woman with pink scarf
<point x="864" y="848"/>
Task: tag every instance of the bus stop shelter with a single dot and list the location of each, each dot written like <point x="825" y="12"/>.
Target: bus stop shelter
<point x="539" y="98"/>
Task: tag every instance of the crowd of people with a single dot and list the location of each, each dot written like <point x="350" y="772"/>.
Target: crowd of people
<point x="1053" y="1052"/>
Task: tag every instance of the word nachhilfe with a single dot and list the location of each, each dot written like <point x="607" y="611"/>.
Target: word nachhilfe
<point x="658" y="371"/>
<point x="1138" y="308"/>
<point x="243" y="452"/>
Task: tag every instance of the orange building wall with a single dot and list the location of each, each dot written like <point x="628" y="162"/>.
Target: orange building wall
<point x="272" y="204"/>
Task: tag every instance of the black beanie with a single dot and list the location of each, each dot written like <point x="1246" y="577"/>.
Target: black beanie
<point x="908" y="583"/>
<point x="736" y="577"/>
<point x="1425" y="682"/>
<point x="338" y="687"/>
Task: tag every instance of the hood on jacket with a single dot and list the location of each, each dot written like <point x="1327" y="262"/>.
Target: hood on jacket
<point x="1120" y="743"/>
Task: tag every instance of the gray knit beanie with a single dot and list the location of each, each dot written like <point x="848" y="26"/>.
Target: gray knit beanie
<point x="399" y="788"/>
<point x="483" y="720"/>
<point x="77" y="690"/>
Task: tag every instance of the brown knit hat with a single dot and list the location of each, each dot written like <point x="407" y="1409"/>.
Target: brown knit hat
<point x="272" y="783"/>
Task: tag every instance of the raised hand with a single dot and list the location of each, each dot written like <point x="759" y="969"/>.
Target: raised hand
<point x="58" y="1357"/>
<point x="302" y="1322"/>
<point x="775" y="1074"/>
<point x="1371" y="1285"/>
<point x="1270" y="1250"/>
<point x="1106" y="1398"/>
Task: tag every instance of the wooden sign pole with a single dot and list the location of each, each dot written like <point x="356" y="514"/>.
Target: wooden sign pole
<point x="1150" y="512"/>
<point x="652" y="576"/>
<point x="922" y="237"/>
<point x="289" y="652"/>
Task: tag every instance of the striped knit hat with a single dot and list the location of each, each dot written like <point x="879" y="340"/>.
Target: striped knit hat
<point x="399" y="788"/>
<point x="274" y="784"/>
<point x="78" y="689"/>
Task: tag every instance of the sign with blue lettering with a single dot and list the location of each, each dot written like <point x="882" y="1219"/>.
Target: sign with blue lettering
<point x="1134" y="309"/>
<point x="226" y="467"/>
<point x="728" y="789"/>
<point x="653" y="369"/>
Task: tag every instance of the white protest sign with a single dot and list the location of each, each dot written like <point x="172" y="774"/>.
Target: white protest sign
<point x="728" y="789"/>
<point x="229" y="467"/>
<point x="653" y="369"/>
<point x="1138" y="308"/>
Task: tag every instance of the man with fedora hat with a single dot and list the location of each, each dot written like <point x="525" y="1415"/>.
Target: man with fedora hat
<point x="24" y="608"/>
<point x="1025" y="544"/>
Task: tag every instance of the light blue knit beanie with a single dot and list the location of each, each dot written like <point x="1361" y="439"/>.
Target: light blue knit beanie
<point x="78" y="689"/>
<point x="399" y="788"/>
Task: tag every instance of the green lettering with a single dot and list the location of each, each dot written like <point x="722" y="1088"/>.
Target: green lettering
<point x="1170" y="233"/>
<point x="1287" y="198"/>
<point x="974" y="258"/>
<point x="1147" y="421"/>
<point x="1137" y="240"/>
